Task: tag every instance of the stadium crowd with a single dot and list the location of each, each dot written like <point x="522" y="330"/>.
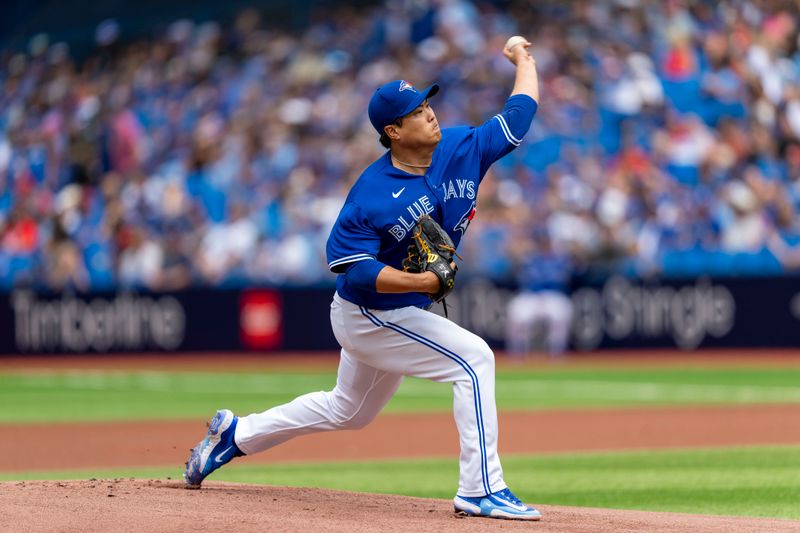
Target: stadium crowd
<point x="667" y="142"/>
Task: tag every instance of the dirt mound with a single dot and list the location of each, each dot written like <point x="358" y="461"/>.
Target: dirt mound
<point x="164" y="505"/>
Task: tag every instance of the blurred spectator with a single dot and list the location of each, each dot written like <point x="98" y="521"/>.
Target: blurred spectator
<point x="140" y="262"/>
<point x="745" y="229"/>
<point x="64" y="267"/>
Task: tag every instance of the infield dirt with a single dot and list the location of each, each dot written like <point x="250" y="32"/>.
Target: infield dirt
<point x="142" y="506"/>
<point x="162" y="443"/>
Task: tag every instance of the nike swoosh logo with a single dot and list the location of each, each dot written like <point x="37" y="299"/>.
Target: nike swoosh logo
<point x="219" y="458"/>
<point x="398" y="193"/>
<point x="513" y="505"/>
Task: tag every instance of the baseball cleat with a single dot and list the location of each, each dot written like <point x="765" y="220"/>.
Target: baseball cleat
<point x="501" y="504"/>
<point x="217" y="449"/>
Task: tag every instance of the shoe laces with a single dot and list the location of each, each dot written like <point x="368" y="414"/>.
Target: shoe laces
<point x="508" y="495"/>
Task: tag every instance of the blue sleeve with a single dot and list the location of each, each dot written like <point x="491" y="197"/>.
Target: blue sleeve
<point x="352" y="239"/>
<point x="363" y="274"/>
<point x="504" y="132"/>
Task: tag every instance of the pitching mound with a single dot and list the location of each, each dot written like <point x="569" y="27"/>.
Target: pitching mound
<point x="156" y="505"/>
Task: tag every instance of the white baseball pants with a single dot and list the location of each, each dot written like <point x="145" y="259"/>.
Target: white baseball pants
<point x="378" y="349"/>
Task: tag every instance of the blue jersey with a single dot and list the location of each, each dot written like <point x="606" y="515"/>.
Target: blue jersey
<point x="385" y="202"/>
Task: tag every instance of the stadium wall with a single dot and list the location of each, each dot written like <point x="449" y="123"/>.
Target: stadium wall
<point x="618" y="313"/>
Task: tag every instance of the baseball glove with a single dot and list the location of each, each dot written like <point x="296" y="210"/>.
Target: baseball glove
<point x="432" y="250"/>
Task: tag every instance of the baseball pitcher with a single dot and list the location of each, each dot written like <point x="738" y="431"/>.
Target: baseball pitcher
<point x="393" y="248"/>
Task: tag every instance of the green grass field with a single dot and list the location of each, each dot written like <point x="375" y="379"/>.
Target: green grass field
<point x="47" y="396"/>
<point x="757" y="481"/>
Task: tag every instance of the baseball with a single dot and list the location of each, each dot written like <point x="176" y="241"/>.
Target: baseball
<point x="514" y="41"/>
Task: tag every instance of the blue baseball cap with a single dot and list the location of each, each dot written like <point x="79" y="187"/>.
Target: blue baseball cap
<point x="396" y="99"/>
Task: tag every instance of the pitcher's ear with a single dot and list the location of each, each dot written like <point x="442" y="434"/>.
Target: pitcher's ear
<point x="392" y="132"/>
